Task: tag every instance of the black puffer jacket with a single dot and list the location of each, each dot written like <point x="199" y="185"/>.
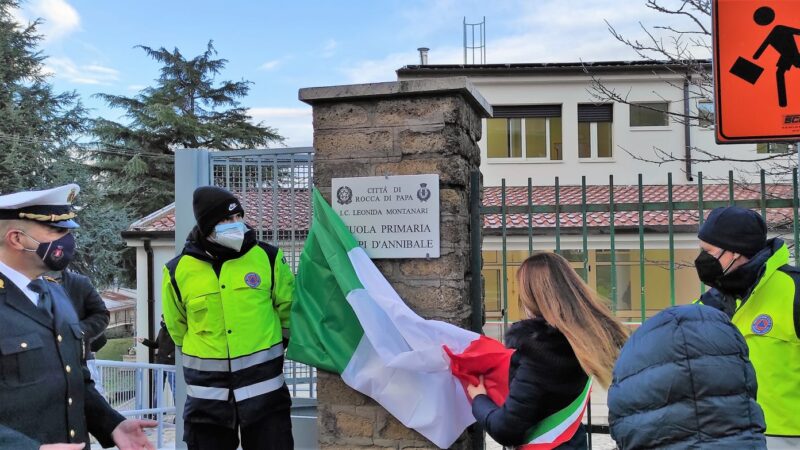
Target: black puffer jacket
<point x="684" y="381"/>
<point x="544" y="377"/>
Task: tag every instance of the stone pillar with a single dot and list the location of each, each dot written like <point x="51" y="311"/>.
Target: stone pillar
<point x="400" y="128"/>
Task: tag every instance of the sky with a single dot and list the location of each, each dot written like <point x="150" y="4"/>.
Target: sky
<point x="282" y="46"/>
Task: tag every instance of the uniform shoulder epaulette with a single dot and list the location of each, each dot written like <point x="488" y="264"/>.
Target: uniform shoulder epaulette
<point x="2" y="284"/>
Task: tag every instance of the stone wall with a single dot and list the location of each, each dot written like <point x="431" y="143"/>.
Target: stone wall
<point x="401" y="128"/>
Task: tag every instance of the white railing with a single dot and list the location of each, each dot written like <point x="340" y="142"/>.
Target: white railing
<point x="125" y="386"/>
<point x="300" y="379"/>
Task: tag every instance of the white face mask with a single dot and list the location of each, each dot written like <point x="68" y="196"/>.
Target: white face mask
<point x="229" y="235"/>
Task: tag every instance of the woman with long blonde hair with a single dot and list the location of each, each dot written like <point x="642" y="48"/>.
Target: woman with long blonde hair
<point x="568" y="336"/>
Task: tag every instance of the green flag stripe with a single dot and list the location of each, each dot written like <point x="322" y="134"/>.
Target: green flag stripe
<point x="325" y="331"/>
<point x="555" y="419"/>
<point x="335" y="241"/>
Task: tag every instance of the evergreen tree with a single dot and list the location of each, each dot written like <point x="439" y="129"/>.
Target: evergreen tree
<point x="185" y="108"/>
<point x="37" y="125"/>
<point x="38" y="149"/>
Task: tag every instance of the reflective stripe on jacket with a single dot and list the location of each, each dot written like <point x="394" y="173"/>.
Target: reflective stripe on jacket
<point x="228" y="320"/>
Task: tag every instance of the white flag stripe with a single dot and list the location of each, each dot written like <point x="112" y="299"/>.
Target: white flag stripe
<point x="418" y="332"/>
<point x="432" y="404"/>
<point x="400" y="362"/>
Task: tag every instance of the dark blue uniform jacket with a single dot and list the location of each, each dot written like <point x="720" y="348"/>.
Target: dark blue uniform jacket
<point x="46" y="395"/>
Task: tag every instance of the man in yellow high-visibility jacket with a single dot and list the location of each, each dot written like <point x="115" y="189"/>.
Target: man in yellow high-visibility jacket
<point x="226" y="302"/>
<point x="753" y="283"/>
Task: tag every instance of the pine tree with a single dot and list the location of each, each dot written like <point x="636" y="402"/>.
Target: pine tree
<point x="38" y="149"/>
<point x="185" y="108"/>
<point x="37" y="125"/>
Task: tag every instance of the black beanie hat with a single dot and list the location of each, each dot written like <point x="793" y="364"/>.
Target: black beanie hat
<point x="735" y="229"/>
<point x="213" y="204"/>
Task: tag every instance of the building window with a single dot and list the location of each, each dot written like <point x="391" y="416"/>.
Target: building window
<point x="621" y="283"/>
<point x="773" y="147"/>
<point x="594" y="131"/>
<point x="649" y="114"/>
<point x="529" y="131"/>
<point x="705" y="113"/>
<point x="493" y="291"/>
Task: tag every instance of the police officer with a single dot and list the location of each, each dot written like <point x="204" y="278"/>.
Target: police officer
<point x="753" y="283"/>
<point x="47" y="399"/>
<point x="226" y="300"/>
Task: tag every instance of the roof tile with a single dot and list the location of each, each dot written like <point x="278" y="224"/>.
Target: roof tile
<point x="292" y="207"/>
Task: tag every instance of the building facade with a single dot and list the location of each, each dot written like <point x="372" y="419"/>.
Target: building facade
<point x="558" y="127"/>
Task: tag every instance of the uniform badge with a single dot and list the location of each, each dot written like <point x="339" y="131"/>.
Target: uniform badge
<point x="71" y="196"/>
<point x="252" y="279"/>
<point x="2" y="283"/>
<point x="762" y="324"/>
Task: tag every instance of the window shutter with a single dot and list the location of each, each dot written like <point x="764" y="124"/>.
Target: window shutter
<point x="596" y="113"/>
<point x="521" y="111"/>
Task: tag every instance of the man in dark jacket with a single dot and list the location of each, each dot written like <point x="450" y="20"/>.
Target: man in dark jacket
<point x="87" y="302"/>
<point x="46" y="395"/>
<point x="684" y="381"/>
<point x="163" y="345"/>
<point x="752" y="281"/>
<point x="165" y="353"/>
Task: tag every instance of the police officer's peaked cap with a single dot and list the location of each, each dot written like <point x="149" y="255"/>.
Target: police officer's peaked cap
<point x="51" y="207"/>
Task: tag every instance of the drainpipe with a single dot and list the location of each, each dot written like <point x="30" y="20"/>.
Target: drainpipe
<point x="687" y="131"/>
<point x="151" y="302"/>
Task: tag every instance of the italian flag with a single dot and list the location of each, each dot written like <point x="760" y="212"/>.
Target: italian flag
<point x="346" y="318"/>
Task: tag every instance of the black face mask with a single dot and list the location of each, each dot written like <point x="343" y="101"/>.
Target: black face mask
<point x="56" y="254"/>
<point x="711" y="272"/>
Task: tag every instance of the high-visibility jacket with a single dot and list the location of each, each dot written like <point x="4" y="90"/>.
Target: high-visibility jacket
<point x="229" y="318"/>
<point x="769" y="319"/>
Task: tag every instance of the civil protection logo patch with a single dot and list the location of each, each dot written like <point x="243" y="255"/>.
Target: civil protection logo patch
<point x="762" y="324"/>
<point x="252" y="279"/>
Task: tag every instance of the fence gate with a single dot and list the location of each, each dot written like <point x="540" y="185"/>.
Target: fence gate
<point x="274" y="186"/>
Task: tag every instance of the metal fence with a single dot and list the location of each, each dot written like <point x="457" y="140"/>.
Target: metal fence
<point x="274" y="186"/>
<point x="544" y="217"/>
<point x="126" y="386"/>
<point x="642" y="213"/>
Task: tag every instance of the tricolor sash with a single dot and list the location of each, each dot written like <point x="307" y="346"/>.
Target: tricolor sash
<point x="560" y="426"/>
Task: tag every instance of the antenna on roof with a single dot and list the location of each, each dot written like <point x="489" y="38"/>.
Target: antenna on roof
<point x="471" y="48"/>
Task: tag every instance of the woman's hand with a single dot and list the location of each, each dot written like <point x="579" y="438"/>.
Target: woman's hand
<point x="478" y="389"/>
